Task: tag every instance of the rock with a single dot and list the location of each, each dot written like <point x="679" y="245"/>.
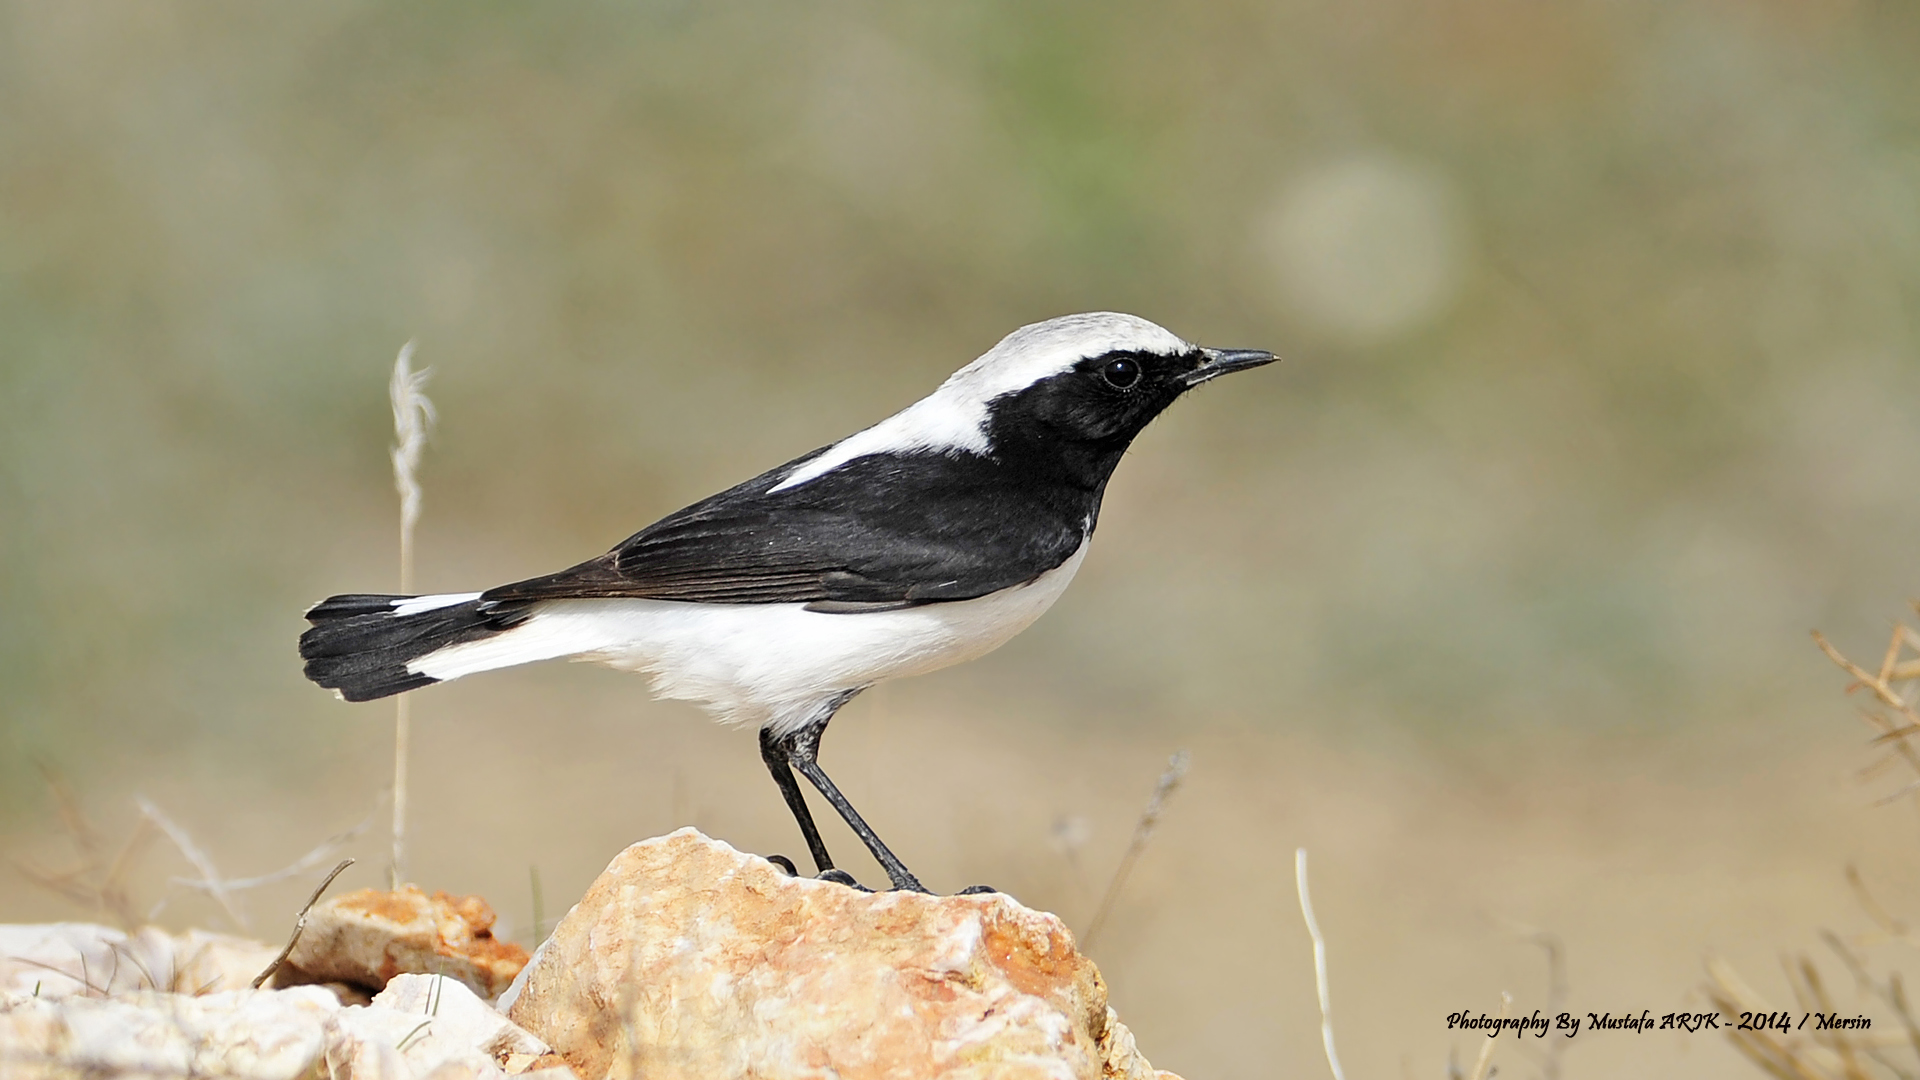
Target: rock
<point x="688" y="959"/>
<point x="422" y="1027"/>
<point x="427" y="1026"/>
<point x="242" y="1034"/>
<point x="460" y="1016"/>
<point x="57" y="960"/>
<point x="367" y="937"/>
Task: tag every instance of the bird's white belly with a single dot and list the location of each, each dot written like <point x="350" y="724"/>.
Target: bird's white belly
<point x="764" y="664"/>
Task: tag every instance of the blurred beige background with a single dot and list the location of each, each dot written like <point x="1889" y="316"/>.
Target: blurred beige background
<point x="1599" y="323"/>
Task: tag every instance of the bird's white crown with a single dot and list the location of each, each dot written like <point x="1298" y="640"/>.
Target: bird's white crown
<point x="954" y="417"/>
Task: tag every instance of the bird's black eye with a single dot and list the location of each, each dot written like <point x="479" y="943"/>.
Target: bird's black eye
<point x="1121" y="373"/>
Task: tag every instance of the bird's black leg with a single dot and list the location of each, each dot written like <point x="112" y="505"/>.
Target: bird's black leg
<point x="802" y="749"/>
<point x="774" y="752"/>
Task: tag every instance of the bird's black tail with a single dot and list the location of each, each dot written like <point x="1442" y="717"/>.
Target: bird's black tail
<point x="361" y="644"/>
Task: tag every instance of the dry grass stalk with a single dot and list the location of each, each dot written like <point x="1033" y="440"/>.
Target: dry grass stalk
<point x="97" y="882"/>
<point x="413" y="415"/>
<point x="315" y="858"/>
<point x="1069" y="836"/>
<point x="1801" y="1053"/>
<point x="1483" y="1066"/>
<point x="1812" y="1053"/>
<point x="1557" y="992"/>
<point x="1559" y="989"/>
<point x="1163" y="789"/>
<point x="1894" y="686"/>
<point x="1319" y="962"/>
<point x="300" y="924"/>
<point x="198" y="858"/>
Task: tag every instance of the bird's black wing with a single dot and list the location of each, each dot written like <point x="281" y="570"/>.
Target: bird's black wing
<point x="878" y="532"/>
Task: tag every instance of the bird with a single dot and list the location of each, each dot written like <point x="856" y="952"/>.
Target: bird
<point x="926" y="540"/>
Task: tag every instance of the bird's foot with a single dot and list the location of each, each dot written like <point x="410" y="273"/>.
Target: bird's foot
<point x="840" y="877"/>
<point x="832" y="873"/>
<point x="905" y="883"/>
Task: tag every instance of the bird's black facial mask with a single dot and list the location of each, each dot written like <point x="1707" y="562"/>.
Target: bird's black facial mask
<point x="1110" y="398"/>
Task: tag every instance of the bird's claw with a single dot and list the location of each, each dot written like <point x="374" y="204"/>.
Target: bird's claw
<point x="840" y="877"/>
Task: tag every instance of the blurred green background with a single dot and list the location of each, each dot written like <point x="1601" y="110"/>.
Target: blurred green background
<point x="1600" y="385"/>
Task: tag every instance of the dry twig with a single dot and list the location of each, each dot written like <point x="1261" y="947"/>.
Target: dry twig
<point x="299" y="925"/>
<point x="1163" y="789"/>
<point x="95" y="883"/>
<point x="198" y="858"/>
<point x="1319" y="961"/>
<point x="317" y="857"/>
<point x="1842" y="1053"/>
<point x="412" y="416"/>
<point x="1484" y="1063"/>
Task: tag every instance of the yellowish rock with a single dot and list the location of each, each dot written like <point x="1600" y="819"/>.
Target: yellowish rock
<point x="688" y="959"/>
<point x="367" y="937"/>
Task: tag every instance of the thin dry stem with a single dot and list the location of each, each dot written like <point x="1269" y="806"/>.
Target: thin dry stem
<point x="413" y="416"/>
<point x="1558" y="989"/>
<point x="1319" y="961"/>
<point x="317" y="857"/>
<point x="1893" y="732"/>
<point x="300" y="924"/>
<point x="1894" y="927"/>
<point x="182" y="840"/>
<point x="1776" y="1054"/>
<point x="402" y="739"/>
<point x="1163" y="789"/>
<point x="1485" y="1060"/>
<point x="1881" y="687"/>
<point x="95" y="883"/>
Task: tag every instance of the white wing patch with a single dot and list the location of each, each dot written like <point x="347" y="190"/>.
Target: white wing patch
<point x="954" y="417"/>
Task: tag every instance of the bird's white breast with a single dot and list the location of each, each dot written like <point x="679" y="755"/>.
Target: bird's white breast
<point x="764" y="664"/>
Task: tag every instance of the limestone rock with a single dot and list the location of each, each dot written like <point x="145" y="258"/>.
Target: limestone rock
<point x="367" y="937"/>
<point x="241" y="1034"/>
<point x="422" y="1027"/>
<point x="688" y="959"/>
<point x="57" y="960"/>
<point x="427" y="1027"/>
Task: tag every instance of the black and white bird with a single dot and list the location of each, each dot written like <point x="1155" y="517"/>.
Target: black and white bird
<point x="926" y="540"/>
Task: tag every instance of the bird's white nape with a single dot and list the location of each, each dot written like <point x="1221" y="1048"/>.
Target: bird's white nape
<point x="954" y="417"/>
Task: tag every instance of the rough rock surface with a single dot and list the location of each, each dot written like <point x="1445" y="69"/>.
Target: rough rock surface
<point x="688" y="959"/>
<point x="57" y="960"/>
<point x="242" y="1034"/>
<point x="422" y="1027"/>
<point x="428" y="1026"/>
<point x="367" y="937"/>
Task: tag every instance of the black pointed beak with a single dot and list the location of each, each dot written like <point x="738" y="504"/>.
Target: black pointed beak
<point x="1217" y="362"/>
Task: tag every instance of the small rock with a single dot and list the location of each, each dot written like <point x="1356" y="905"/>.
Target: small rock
<point x="688" y="959"/>
<point x="432" y="1028"/>
<point x="242" y="1034"/>
<point x="367" y="937"/>
<point x="422" y="1027"/>
<point x="460" y="1017"/>
<point x="57" y="960"/>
